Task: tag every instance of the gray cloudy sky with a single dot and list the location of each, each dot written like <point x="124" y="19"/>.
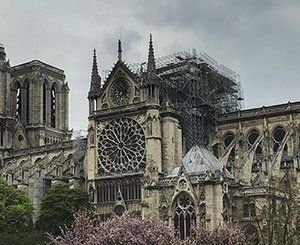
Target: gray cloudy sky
<point x="259" y="39"/>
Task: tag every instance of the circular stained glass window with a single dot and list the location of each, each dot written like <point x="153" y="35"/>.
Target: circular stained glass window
<point x="120" y="92"/>
<point x="121" y="147"/>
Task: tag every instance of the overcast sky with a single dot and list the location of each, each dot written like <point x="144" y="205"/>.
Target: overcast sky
<point x="258" y="39"/>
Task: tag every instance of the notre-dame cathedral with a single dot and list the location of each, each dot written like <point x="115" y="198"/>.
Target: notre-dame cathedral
<point x="166" y="139"/>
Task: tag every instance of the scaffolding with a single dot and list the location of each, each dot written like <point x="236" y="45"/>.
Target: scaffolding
<point x="199" y="87"/>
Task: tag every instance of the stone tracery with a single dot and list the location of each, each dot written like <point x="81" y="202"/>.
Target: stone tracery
<point x="121" y="147"/>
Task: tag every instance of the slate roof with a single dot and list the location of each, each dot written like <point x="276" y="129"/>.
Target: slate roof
<point x="199" y="160"/>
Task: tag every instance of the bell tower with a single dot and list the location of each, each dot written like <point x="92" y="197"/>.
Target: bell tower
<point x="6" y="122"/>
<point x="37" y="98"/>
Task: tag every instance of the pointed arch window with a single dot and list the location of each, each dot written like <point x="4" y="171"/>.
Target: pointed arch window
<point x="184" y="216"/>
<point x="227" y="141"/>
<point x="285" y="161"/>
<point x="53" y="106"/>
<point x="278" y="137"/>
<point x="228" y="138"/>
<point x="18" y="102"/>
<point x="230" y="161"/>
<point x="27" y="100"/>
<point x="258" y="154"/>
<point x="44" y="101"/>
<point x="130" y="189"/>
<point x="258" y="159"/>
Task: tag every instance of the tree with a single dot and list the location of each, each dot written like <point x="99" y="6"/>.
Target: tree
<point x="225" y="235"/>
<point x="126" y="229"/>
<point x="130" y="229"/>
<point x="58" y="206"/>
<point x="82" y="231"/>
<point x="16" y="209"/>
<point x="279" y="219"/>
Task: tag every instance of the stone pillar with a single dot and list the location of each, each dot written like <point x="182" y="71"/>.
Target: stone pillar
<point x="178" y="144"/>
<point x="214" y="205"/>
<point x="90" y="161"/>
<point x="172" y="149"/>
<point x="48" y="106"/>
<point x="23" y="103"/>
<point x="3" y="77"/>
<point x="66" y="110"/>
<point x="153" y="141"/>
<point x="59" y="110"/>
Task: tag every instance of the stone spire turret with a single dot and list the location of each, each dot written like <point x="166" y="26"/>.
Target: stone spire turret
<point x="151" y="67"/>
<point x="95" y="79"/>
<point x="150" y="82"/>
<point x="119" y="51"/>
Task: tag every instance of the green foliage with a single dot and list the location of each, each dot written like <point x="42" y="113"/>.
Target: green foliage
<point x="23" y="238"/>
<point x="59" y="205"/>
<point x="16" y="209"/>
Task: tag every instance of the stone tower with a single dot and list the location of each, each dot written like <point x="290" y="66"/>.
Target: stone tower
<point x="34" y="104"/>
<point x="6" y="121"/>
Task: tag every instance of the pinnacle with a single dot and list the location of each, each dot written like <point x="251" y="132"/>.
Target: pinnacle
<point x="95" y="79"/>
<point x="119" y="50"/>
<point x="151" y="68"/>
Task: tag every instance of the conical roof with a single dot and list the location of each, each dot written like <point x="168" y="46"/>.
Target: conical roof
<point x="199" y="160"/>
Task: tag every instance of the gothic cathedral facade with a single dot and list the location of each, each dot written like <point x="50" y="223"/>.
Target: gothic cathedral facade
<point x="136" y="156"/>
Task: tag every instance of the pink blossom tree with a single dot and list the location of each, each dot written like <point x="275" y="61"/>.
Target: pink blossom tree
<point x="224" y="235"/>
<point x="130" y="229"/>
<point x="126" y="229"/>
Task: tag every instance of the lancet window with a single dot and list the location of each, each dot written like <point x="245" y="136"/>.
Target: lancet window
<point x="130" y="189"/>
<point x="53" y="106"/>
<point x="184" y="216"/>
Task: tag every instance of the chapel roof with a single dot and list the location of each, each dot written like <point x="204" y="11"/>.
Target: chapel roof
<point x="201" y="161"/>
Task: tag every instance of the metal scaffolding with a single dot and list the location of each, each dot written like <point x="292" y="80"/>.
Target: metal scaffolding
<point x="200" y="88"/>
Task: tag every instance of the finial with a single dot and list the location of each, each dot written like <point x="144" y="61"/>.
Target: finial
<point x="95" y="66"/>
<point x="119" y="50"/>
<point x="151" y="68"/>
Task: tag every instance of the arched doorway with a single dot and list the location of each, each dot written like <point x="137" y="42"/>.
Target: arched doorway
<point x="184" y="214"/>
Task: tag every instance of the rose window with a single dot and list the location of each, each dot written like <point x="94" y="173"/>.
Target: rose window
<point x="120" y="92"/>
<point x="121" y="147"/>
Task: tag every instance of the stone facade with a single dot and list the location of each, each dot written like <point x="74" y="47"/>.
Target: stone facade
<point x="35" y="142"/>
<point x="134" y="156"/>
